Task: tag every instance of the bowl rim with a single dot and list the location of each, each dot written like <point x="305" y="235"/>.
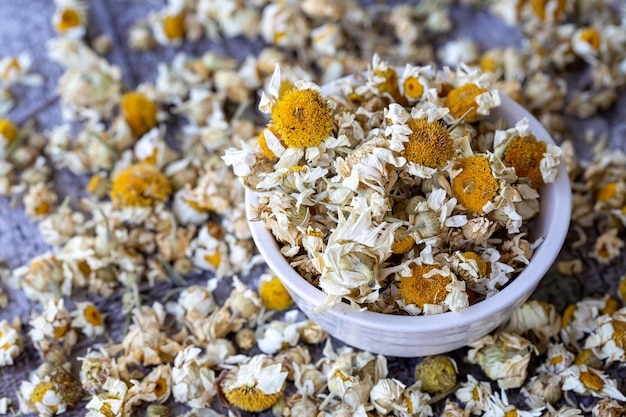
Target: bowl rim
<point x="527" y="280"/>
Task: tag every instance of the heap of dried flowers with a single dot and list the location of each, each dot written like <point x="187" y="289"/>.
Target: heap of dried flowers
<point x="395" y="193"/>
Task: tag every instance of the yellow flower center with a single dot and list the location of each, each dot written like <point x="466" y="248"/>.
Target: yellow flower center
<point x="568" y="315"/>
<point x="475" y="186"/>
<point x="418" y="290"/>
<point x="524" y="154"/>
<point x="70" y="18"/>
<point x="39" y="392"/>
<point x="13" y="65"/>
<point x="6" y="346"/>
<point x="341" y="376"/>
<point x="429" y="144"/>
<point x="592" y="37"/>
<point x="462" y="100"/>
<point x="511" y="413"/>
<point x="106" y="410"/>
<point x="140" y="185"/>
<point x="92" y="315"/>
<point x="59" y="332"/>
<point x="42" y="208"/>
<point x="556" y="360"/>
<point x="355" y="99"/>
<point x="274" y="294"/>
<point x="480" y="262"/>
<point x="139" y="112"/>
<point x="591" y="380"/>
<point x="8" y="131"/>
<point x="215" y="230"/>
<point x="612" y="305"/>
<point x="413" y="89"/>
<point x="160" y="387"/>
<point x="402" y="245"/>
<point x="619" y="333"/>
<point x="264" y="149"/>
<point x="607" y="192"/>
<point x="488" y="63"/>
<point x="251" y="398"/>
<point x="583" y="357"/>
<point x="539" y="7"/>
<point x="174" y="26"/>
<point x="390" y="85"/>
<point x="302" y="118"/>
<point x="214" y="259"/>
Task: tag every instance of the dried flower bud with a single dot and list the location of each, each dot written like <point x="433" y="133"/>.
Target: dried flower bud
<point x="437" y="374"/>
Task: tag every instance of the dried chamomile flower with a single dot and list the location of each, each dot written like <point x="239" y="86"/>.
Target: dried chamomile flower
<point x="16" y="70"/>
<point x="139" y="112"/>
<point x="589" y="381"/>
<point x="387" y="395"/>
<point x="48" y="391"/>
<point x="542" y="390"/>
<point x="70" y="18"/>
<point x="168" y="25"/>
<point x="90" y="90"/>
<point x="437" y="374"/>
<point x="157" y="385"/>
<point x="499" y="405"/>
<point x="88" y="319"/>
<point x="579" y="319"/>
<point x="11" y="343"/>
<point x="607" y="408"/>
<point x="40" y="200"/>
<point x="283" y="25"/>
<point x="96" y="368"/>
<point x="607" y="247"/>
<point x="145" y="342"/>
<point x="425" y="286"/>
<point x="533" y="159"/>
<point x="59" y="227"/>
<point x="254" y="386"/>
<point x="475" y="185"/>
<point x="474" y="394"/>
<point x="278" y="334"/>
<point x="429" y="143"/>
<point x="51" y="331"/>
<point x="536" y="321"/>
<point x="116" y="399"/>
<point x="504" y="358"/>
<point x="558" y="358"/>
<point x="273" y="293"/>
<point x="140" y="185"/>
<point x="608" y="340"/>
<point x="193" y="383"/>
<point x="8" y="135"/>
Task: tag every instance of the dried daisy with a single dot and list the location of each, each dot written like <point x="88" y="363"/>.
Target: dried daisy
<point x="254" y="386"/>
<point x="474" y="394"/>
<point x="588" y="381"/>
<point x="273" y="293"/>
<point x="536" y="321"/>
<point x="608" y="341"/>
<point x="88" y="319"/>
<point x="11" y="343"/>
<point x="193" y="383"/>
<point x="16" y="70"/>
<point x="70" y="18"/>
<point x="504" y="358"/>
<point x="437" y="374"/>
<point x="49" y="391"/>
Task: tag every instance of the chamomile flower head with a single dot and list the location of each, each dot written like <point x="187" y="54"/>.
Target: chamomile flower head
<point x="11" y="342"/>
<point x="193" y="380"/>
<point x="8" y="132"/>
<point x="302" y="118"/>
<point x="589" y="381"/>
<point x="586" y="43"/>
<point x="608" y="341"/>
<point x="139" y="112"/>
<point x="49" y="391"/>
<point x="504" y="358"/>
<point x="158" y="384"/>
<point x="462" y="101"/>
<point x="16" y="70"/>
<point x="415" y="81"/>
<point x="474" y="394"/>
<point x="558" y="358"/>
<point x="475" y="185"/>
<point x="88" y="319"/>
<point x="169" y="24"/>
<point x="51" y="331"/>
<point x="549" y="10"/>
<point x="140" y="185"/>
<point x="273" y="293"/>
<point x="536" y="321"/>
<point x="424" y="286"/>
<point x="70" y="18"/>
<point x="436" y="373"/>
<point x="256" y="385"/>
<point x="429" y="143"/>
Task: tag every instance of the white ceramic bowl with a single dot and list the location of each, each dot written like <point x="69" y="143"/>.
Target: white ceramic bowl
<point x="411" y="336"/>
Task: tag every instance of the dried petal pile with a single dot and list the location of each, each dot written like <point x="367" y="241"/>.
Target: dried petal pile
<point x="163" y="210"/>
